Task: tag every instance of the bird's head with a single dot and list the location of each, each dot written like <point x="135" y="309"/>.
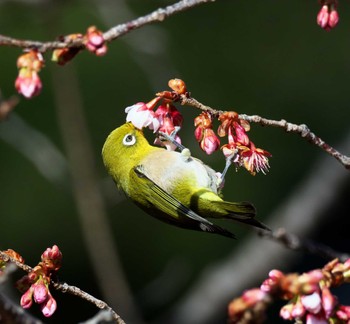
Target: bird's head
<point x="123" y="149"/>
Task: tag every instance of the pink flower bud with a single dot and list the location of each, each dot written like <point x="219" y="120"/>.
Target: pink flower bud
<point x="28" y="83"/>
<point x="241" y="135"/>
<point x="252" y="296"/>
<point x="52" y="258"/>
<point x="286" y="312"/>
<point x="343" y="312"/>
<point x="298" y="310"/>
<point x="276" y="275"/>
<point x="333" y="18"/>
<point x="49" y="307"/>
<point x="26" y="299"/>
<point x="328" y="301"/>
<point x="40" y="292"/>
<point x="210" y="142"/>
<point x="95" y="41"/>
<point x="198" y="133"/>
<point x="312" y="319"/>
<point x="322" y="17"/>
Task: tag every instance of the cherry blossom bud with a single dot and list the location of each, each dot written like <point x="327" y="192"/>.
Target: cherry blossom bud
<point x="32" y="60"/>
<point x="210" y="142"/>
<point x="328" y="301"/>
<point x="63" y="55"/>
<point x="312" y="319"/>
<point x="298" y="310"/>
<point x="26" y="299"/>
<point x="276" y="275"/>
<point x="328" y="17"/>
<point x="28" y="83"/>
<point x="286" y="312"/>
<point x="49" y="307"/>
<point x="198" y="133"/>
<point x="178" y="86"/>
<point x="40" y="292"/>
<point x="95" y="41"/>
<point x="322" y="17"/>
<point x="343" y="312"/>
<point x="241" y="135"/>
<point x="252" y="296"/>
<point x="333" y="18"/>
<point x="52" y="258"/>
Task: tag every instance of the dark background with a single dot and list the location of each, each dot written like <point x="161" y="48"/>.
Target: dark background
<point x="256" y="57"/>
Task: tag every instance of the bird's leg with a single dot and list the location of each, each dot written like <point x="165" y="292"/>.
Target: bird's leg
<point x="171" y="138"/>
<point x="185" y="152"/>
<point x="231" y="158"/>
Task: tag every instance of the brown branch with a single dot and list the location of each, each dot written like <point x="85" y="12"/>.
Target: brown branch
<point x="301" y="129"/>
<point x="293" y="242"/>
<point x="115" y="32"/>
<point x="65" y="288"/>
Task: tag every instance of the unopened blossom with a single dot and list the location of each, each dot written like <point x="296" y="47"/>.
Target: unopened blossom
<point x="178" y="86"/>
<point x="63" y="55"/>
<point x="31" y="60"/>
<point x="27" y="298"/>
<point x="328" y="301"/>
<point x="140" y="115"/>
<point x="314" y="319"/>
<point x="40" y="292"/>
<point x="206" y="137"/>
<point x="343" y="313"/>
<point x="328" y="17"/>
<point x="210" y="142"/>
<point x="253" y="300"/>
<point x="28" y="83"/>
<point x="95" y="41"/>
<point x="52" y="258"/>
<point x="170" y="122"/>
<point x="49" y="306"/>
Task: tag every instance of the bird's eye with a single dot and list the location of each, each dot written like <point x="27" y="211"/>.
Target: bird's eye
<point x="129" y="139"/>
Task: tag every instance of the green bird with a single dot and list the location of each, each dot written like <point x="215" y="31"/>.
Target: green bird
<point x="171" y="186"/>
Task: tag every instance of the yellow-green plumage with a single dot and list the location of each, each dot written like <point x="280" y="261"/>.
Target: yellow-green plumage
<point x="169" y="185"/>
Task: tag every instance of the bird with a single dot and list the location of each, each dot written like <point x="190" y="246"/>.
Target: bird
<point x="171" y="186"/>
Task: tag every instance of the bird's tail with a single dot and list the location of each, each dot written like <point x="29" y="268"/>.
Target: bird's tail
<point x="243" y="212"/>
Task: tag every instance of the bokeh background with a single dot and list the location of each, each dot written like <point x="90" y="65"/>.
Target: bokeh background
<point x="255" y="57"/>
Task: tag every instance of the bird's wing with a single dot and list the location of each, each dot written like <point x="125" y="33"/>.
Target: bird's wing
<point x="172" y="206"/>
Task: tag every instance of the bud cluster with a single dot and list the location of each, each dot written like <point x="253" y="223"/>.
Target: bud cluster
<point x="309" y="294"/>
<point x="328" y="17"/>
<point x="35" y="285"/>
<point x="28" y="82"/>
<point x="167" y="119"/>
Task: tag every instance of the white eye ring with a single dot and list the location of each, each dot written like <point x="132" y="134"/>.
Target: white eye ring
<point x="129" y="140"/>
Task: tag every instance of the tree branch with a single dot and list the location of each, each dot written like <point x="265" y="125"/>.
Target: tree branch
<point x="115" y="32"/>
<point x="65" y="288"/>
<point x="294" y="242"/>
<point x="301" y="129"/>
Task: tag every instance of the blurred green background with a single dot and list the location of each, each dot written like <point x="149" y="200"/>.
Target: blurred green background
<point x="256" y="57"/>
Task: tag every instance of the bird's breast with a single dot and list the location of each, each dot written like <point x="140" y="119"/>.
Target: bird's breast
<point x="172" y="170"/>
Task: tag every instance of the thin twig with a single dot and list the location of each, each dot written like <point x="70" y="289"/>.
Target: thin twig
<point x="301" y="129"/>
<point x="65" y="288"/>
<point x="293" y="242"/>
<point x="73" y="290"/>
<point x="115" y="32"/>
